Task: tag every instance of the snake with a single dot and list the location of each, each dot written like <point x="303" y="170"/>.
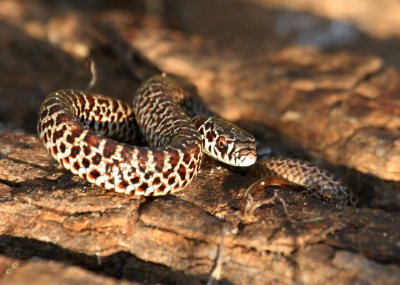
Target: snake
<point x="154" y="146"/>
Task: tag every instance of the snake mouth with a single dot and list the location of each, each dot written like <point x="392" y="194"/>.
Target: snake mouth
<point x="245" y="157"/>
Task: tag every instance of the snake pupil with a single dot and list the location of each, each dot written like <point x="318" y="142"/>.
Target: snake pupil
<point x="222" y="143"/>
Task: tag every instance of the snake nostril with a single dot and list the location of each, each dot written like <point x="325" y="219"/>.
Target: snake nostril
<point x="247" y="156"/>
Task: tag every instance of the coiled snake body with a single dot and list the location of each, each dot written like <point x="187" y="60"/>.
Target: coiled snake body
<point x="92" y="135"/>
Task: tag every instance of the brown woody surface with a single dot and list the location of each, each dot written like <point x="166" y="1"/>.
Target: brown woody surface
<point x="340" y="110"/>
<point x="51" y="215"/>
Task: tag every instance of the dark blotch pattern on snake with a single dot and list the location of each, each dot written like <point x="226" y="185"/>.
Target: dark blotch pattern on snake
<point x="79" y="129"/>
<point x="93" y="136"/>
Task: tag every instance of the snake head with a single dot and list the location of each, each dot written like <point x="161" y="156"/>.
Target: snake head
<point x="226" y="142"/>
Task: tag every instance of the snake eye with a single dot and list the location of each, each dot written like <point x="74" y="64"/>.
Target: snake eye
<point x="221" y="143"/>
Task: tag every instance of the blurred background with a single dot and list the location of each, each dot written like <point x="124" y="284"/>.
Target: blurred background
<point x="44" y="43"/>
<point x="361" y="26"/>
<point x="30" y="29"/>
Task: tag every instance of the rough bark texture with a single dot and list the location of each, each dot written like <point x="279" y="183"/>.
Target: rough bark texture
<point x="48" y="213"/>
<point x="340" y="110"/>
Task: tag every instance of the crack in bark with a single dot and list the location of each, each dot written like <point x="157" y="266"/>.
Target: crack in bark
<point x="10" y="183"/>
<point x="366" y="77"/>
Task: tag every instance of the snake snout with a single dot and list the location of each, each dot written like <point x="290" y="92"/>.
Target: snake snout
<point x="247" y="156"/>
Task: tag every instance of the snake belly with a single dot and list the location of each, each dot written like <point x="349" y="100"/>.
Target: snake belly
<point x="79" y="130"/>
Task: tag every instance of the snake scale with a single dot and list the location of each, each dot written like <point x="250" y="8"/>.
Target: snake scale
<point x="96" y="137"/>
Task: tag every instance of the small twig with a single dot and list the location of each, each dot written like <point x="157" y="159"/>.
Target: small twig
<point x="251" y="207"/>
<point x="137" y="65"/>
<point x="285" y="208"/>
<point x="91" y="64"/>
<point x="216" y="273"/>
